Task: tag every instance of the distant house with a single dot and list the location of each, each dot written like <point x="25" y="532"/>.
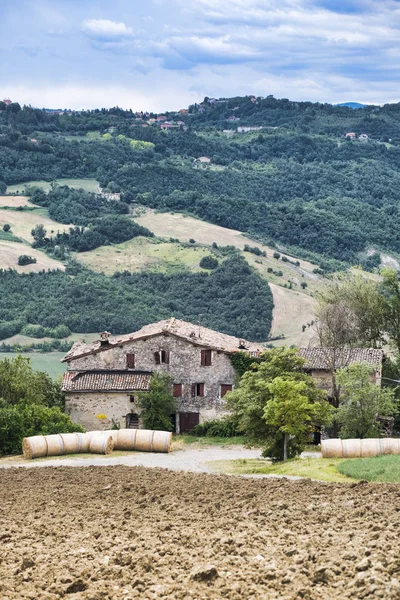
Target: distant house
<point x="363" y="137"/>
<point x="183" y="111"/>
<point x="233" y="118"/>
<point x="104" y="378"/>
<point x="7" y="101"/>
<point x="351" y="135"/>
<point x="320" y="362"/>
<point x="202" y="161"/>
<point x="161" y="118"/>
<point x="34" y="141"/>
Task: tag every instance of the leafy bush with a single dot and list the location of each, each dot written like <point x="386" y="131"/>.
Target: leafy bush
<point x="209" y="262"/>
<point x="276" y="255"/>
<point x="10" y="328"/>
<point x="6" y="227"/>
<point x="217" y="428"/>
<point x="254" y="250"/>
<point x="158" y="404"/>
<point x="25" y="259"/>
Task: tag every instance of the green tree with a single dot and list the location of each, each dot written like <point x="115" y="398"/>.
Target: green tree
<point x="362" y="401"/>
<point x="6" y="227"/>
<point x="39" y="233"/>
<point x="391" y="293"/>
<point x="292" y="412"/>
<point x="158" y="404"/>
<point x="249" y="401"/>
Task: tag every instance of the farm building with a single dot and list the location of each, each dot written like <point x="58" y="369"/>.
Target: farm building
<point x="320" y="362"/>
<point x="103" y="378"/>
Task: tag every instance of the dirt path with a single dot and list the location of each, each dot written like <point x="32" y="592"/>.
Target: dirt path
<point x="127" y="533"/>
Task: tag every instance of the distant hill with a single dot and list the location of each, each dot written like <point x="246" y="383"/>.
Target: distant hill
<point x="354" y="105"/>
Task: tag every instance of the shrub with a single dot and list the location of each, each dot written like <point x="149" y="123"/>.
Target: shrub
<point x="10" y="328"/>
<point x="209" y="262"/>
<point x="25" y="259"/>
<point x="192" y="241"/>
<point x="158" y="404"/>
<point x="217" y="428"/>
<point x="276" y="255"/>
<point x="6" y="227"/>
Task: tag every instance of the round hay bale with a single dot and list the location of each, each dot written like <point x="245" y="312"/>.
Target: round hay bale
<point x="114" y="435"/>
<point x="144" y="440"/>
<point x="34" y="447"/>
<point x="391" y="445"/>
<point x="331" y="448"/>
<point x="371" y="447"/>
<point x="162" y="441"/>
<point x="55" y="445"/>
<point x="126" y="439"/>
<point x="75" y="443"/>
<point x="101" y="444"/>
<point x="351" y="448"/>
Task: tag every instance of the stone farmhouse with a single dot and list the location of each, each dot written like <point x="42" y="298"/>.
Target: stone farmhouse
<point x="321" y="362"/>
<point x="103" y="378"/>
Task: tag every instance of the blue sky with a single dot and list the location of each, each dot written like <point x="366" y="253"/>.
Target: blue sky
<point x="166" y="54"/>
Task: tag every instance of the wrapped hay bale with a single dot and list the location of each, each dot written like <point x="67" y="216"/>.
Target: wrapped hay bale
<point x="55" y="445"/>
<point x="390" y="445"/>
<point x="144" y="440"/>
<point x="101" y="444"/>
<point x="74" y="443"/>
<point x="372" y="447"/>
<point x="331" y="448"/>
<point x="34" y="447"/>
<point x="126" y="439"/>
<point x="162" y="441"/>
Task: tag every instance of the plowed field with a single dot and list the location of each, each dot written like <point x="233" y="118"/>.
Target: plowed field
<point x="120" y="533"/>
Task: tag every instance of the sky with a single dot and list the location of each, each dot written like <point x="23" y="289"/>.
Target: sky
<point x="160" y="55"/>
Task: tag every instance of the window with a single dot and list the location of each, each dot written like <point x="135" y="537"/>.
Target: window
<point x="177" y="390"/>
<point x="130" y="361"/>
<point x="131" y="398"/>
<point x="206" y="356"/>
<point x="225" y="387"/>
<point x="162" y="356"/>
<point x="197" y="389"/>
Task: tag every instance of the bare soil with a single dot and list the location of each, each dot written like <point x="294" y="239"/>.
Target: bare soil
<point x="120" y="533"/>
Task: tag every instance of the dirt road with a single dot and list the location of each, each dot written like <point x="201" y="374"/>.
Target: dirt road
<point x="130" y="532"/>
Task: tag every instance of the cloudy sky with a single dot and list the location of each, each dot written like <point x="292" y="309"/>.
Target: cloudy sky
<point x="166" y="54"/>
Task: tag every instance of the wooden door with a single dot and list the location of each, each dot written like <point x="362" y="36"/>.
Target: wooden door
<point x="188" y="420"/>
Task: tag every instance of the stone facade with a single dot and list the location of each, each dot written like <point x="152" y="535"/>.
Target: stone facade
<point x="184" y="366"/>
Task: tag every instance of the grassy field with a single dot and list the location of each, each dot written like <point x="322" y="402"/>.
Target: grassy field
<point x="180" y="441"/>
<point x="293" y="307"/>
<point x="24" y="340"/>
<point x="378" y="468"/>
<point x="49" y="362"/>
<point x="291" y="311"/>
<point x="143" y="254"/>
<point x="23" y="222"/>
<point x="14" y="201"/>
<point x="10" y="251"/>
<point x="314" y="468"/>
<point x="89" y="185"/>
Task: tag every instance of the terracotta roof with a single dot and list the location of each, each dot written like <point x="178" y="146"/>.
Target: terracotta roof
<point x="102" y="381"/>
<point x="201" y="336"/>
<point x="319" y="358"/>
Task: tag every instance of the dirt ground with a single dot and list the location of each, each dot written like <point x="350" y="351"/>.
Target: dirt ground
<point x="100" y="533"/>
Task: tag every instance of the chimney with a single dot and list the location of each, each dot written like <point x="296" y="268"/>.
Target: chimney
<point x="104" y="338"/>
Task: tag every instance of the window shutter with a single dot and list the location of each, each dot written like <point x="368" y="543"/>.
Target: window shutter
<point x="207" y="358"/>
<point x="157" y="358"/>
<point x="193" y="390"/>
<point x="201" y="389"/>
<point x="225" y="388"/>
<point x="167" y="357"/>
<point x="203" y="358"/>
<point x="130" y="361"/>
<point x="177" y="390"/>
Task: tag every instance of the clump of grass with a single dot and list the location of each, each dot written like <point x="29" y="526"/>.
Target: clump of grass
<point x="182" y="440"/>
<point x="377" y="468"/>
<point x="321" y="469"/>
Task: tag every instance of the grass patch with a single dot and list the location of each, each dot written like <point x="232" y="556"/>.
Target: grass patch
<point x="48" y="362"/>
<point x="314" y="468"/>
<point x="378" y="468"/>
<point x="179" y="441"/>
<point x="6" y="236"/>
<point x="89" y="185"/>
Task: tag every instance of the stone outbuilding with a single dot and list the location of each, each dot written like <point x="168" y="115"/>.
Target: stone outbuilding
<point x="103" y="378"/>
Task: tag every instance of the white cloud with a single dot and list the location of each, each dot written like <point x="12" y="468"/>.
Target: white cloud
<point x="106" y="30"/>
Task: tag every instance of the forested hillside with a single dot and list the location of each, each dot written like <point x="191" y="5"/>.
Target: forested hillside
<point x="283" y="172"/>
<point x="297" y="181"/>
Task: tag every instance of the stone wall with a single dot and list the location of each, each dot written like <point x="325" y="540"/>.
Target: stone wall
<point x="184" y="367"/>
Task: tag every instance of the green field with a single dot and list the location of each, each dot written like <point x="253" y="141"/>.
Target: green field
<point x="89" y="185"/>
<point x="49" y="362"/>
<point x="378" y="468"/>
